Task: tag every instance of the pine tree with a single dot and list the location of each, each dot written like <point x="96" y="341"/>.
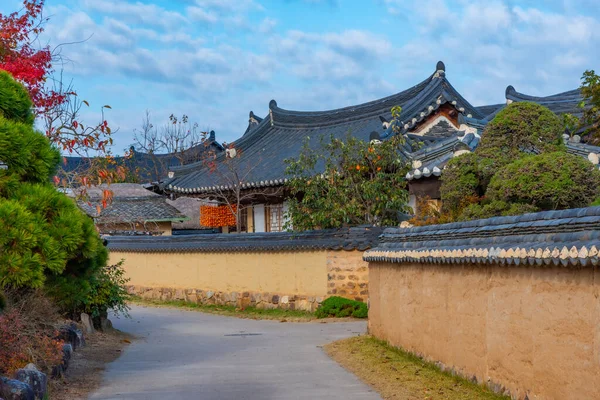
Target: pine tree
<point x="45" y="241"/>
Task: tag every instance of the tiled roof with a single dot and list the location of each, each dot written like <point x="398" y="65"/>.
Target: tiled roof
<point x="357" y="238"/>
<point x="568" y="238"/>
<point x="561" y="103"/>
<point x="148" y="167"/>
<point x="281" y="134"/>
<point x="130" y="203"/>
<point x="134" y="210"/>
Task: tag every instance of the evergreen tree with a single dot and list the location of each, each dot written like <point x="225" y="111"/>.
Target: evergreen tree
<point x="46" y="241"/>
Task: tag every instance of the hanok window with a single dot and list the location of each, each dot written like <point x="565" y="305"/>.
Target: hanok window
<point x="275" y="218"/>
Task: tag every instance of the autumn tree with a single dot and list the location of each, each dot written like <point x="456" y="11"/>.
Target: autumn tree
<point x="230" y="171"/>
<point x="56" y="104"/>
<point x="347" y="181"/>
<point x="177" y="142"/>
<point x="590" y="122"/>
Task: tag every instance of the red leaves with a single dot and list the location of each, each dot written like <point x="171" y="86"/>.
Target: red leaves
<point x="20" y="58"/>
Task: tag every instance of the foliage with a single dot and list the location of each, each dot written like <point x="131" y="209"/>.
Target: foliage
<point x="46" y="239"/>
<point x="464" y="181"/>
<point x="347" y="182"/>
<point x="26" y="334"/>
<point x="108" y="292"/>
<point x="340" y="307"/>
<point x="520" y="166"/>
<point x="547" y="181"/>
<point x="590" y="90"/>
<point x="520" y="129"/>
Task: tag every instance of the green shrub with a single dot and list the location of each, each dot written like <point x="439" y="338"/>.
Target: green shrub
<point x="518" y="130"/>
<point x="108" y="292"/>
<point x="464" y="180"/>
<point x="340" y="307"/>
<point x="549" y="181"/>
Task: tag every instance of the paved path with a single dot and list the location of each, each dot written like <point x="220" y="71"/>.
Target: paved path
<point x="190" y="355"/>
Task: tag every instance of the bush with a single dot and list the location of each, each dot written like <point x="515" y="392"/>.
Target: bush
<point x="521" y="129"/>
<point x="27" y="334"/>
<point x="464" y="181"/>
<point x="108" y="292"/>
<point x="340" y="307"/>
<point x="550" y="181"/>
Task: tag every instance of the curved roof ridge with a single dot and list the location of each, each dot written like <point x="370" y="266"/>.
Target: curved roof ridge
<point x="570" y="95"/>
<point x="283" y="117"/>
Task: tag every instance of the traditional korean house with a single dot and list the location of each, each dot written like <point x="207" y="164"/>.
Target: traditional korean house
<point x="133" y="210"/>
<point x="437" y="122"/>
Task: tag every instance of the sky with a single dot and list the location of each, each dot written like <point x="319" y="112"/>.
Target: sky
<point x="216" y="60"/>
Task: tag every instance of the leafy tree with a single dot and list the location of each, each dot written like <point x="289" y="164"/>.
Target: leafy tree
<point x="46" y="240"/>
<point x="590" y="89"/>
<point x="347" y="182"/>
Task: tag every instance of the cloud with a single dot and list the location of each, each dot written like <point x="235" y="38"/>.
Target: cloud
<point x="217" y="59"/>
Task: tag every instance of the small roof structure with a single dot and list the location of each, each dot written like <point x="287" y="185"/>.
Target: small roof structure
<point x="131" y="203"/>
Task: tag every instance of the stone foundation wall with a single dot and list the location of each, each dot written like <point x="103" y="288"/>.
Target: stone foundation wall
<point x="297" y="280"/>
<point x="347" y="275"/>
<point x="236" y="299"/>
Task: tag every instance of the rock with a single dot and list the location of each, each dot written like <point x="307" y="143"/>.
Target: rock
<point x="105" y="324"/>
<point x="285" y="299"/>
<point x="12" y="389"/>
<point x="88" y="325"/>
<point x="209" y="294"/>
<point x="67" y="354"/>
<point x="275" y="299"/>
<point x="37" y="380"/>
<point x="70" y="334"/>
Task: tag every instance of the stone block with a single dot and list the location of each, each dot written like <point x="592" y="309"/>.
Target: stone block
<point x="37" y="380"/>
<point x="179" y="294"/>
<point x="353" y="277"/>
<point x="285" y="299"/>
<point x="67" y="350"/>
<point x="86" y="322"/>
<point x="12" y="389"/>
<point x="341" y="277"/>
<point x="275" y="299"/>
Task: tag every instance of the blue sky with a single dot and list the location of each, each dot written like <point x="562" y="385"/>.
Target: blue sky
<point x="215" y="60"/>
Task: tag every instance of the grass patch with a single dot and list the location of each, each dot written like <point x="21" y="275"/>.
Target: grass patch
<point x="231" y="311"/>
<point x="396" y="374"/>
